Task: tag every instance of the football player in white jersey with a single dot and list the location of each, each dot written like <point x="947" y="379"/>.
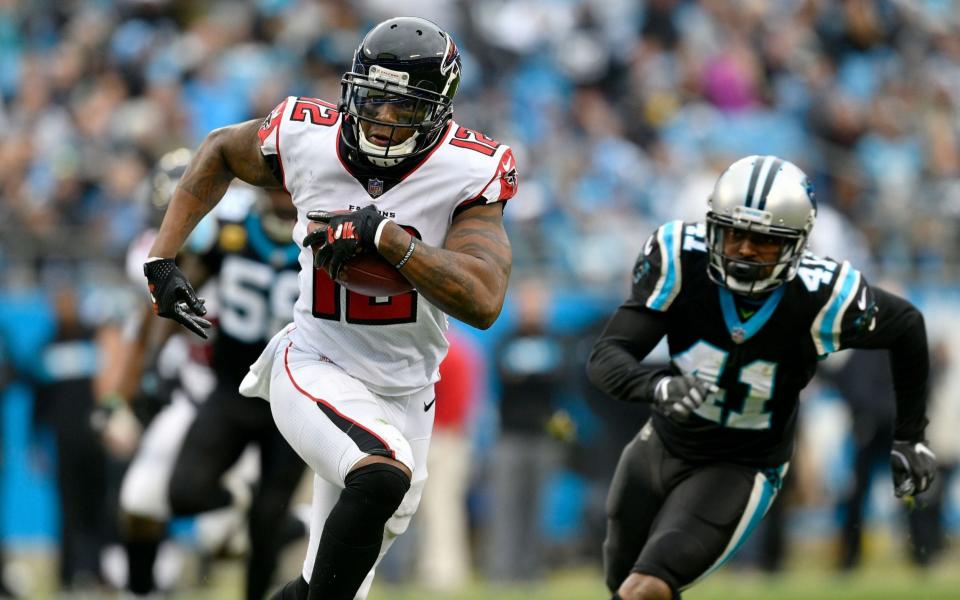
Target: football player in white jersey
<point x="350" y="381"/>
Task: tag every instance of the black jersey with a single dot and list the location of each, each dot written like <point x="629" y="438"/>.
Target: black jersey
<point x="256" y="286"/>
<point x="761" y="357"/>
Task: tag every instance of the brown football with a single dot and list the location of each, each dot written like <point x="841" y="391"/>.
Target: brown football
<point x="371" y="275"/>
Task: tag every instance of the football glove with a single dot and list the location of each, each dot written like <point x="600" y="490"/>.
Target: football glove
<point x="173" y="296"/>
<point x="345" y="236"/>
<point x="678" y="396"/>
<point x="914" y="467"/>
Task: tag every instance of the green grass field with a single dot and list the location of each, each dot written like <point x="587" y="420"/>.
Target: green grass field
<point x="871" y="583"/>
<point x="885" y="575"/>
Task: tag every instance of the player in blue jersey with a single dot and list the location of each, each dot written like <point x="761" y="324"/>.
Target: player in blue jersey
<point x="747" y="313"/>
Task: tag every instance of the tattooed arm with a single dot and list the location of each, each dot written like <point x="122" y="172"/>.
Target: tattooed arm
<point x="228" y="152"/>
<point x="467" y="278"/>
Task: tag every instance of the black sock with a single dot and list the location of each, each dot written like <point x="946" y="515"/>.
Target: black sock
<point x="352" y="534"/>
<point x="294" y="590"/>
<point x="141" y="555"/>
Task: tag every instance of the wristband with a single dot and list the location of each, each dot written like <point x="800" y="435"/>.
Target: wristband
<point x="376" y="236"/>
<point x="406" y="257"/>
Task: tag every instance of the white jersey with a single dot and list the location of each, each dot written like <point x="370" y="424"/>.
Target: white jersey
<point x="394" y="345"/>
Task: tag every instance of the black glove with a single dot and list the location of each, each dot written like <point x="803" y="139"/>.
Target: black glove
<point x="678" y="396"/>
<point x="914" y="467"/>
<point x="345" y="236"/>
<point x="173" y="296"/>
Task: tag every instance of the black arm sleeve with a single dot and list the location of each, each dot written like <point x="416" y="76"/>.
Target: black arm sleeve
<point x="614" y="363"/>
<point x="899" y="327"/>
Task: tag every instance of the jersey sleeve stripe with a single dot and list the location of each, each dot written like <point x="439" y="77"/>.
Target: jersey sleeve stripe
<point x="827" y="325"/>
<point x="668" y="285"/>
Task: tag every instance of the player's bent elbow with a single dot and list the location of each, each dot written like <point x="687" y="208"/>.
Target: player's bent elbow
<point x="215" y="140"/>
<point x="483" y="313"/>
<point x="483" y="320"/>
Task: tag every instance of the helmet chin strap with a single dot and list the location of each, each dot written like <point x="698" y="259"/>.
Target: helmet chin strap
<point x="395" y="153"/>
<point x="744" y="271"/>
<point x="745" y="278"/>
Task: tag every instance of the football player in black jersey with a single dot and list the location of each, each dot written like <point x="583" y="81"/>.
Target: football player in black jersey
<point x="254" y="262"/>
<point x="747" y="313"/>
<point x="248" y="256"/>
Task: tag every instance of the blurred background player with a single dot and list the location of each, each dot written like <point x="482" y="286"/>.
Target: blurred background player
<point x="247" y="257"/>
<point x="253" y="261"/>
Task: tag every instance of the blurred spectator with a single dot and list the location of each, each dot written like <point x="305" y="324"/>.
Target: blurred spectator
<point x="865" y="383"/>
<point x="596" y="456"/>
<point x="529" y="364"/>
<point x="444" y="564"/>
<point x="615" y="105"/>
<point x="6" y="375"/>
<point x="65" y="402"/>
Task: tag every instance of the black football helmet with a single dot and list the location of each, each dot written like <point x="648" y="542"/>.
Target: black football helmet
<point x="412" y="65"/>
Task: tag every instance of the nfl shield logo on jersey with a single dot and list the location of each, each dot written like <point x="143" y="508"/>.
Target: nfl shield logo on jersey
<point x="374" y="187"/>
<point x="739" y="334"/>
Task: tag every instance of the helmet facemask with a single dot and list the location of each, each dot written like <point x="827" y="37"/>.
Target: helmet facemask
<point x="769" y="202"/>
<point x="746" y="276"/>
<point x="397" y="98"/>
<point x="417" y="111"/>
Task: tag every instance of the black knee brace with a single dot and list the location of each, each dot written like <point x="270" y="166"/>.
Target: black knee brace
<point x="350" y="542"/>
<point x="375" y="490"/>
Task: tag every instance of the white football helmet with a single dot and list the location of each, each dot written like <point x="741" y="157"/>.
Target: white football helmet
<point x="769" y="196"/>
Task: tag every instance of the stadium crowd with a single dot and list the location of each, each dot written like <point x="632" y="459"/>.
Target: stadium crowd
<point x="621" y="114"/>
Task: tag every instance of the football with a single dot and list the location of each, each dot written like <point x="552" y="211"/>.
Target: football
<point x="371" y="275"/>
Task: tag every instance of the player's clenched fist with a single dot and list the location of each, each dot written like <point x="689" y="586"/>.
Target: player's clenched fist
<point x="677" y="396"/>
<point x="338" y="237"/>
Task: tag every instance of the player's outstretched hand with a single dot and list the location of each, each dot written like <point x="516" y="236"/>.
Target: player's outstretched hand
<point x="173" y="296"/>
<point x="914" y="467"/>
<point x="678" y="396"/>
<point x="345" y="235"/>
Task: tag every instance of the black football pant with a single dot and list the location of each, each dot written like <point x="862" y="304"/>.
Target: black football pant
<point x="226" y="423"/>
<point x="678" y="520"/>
